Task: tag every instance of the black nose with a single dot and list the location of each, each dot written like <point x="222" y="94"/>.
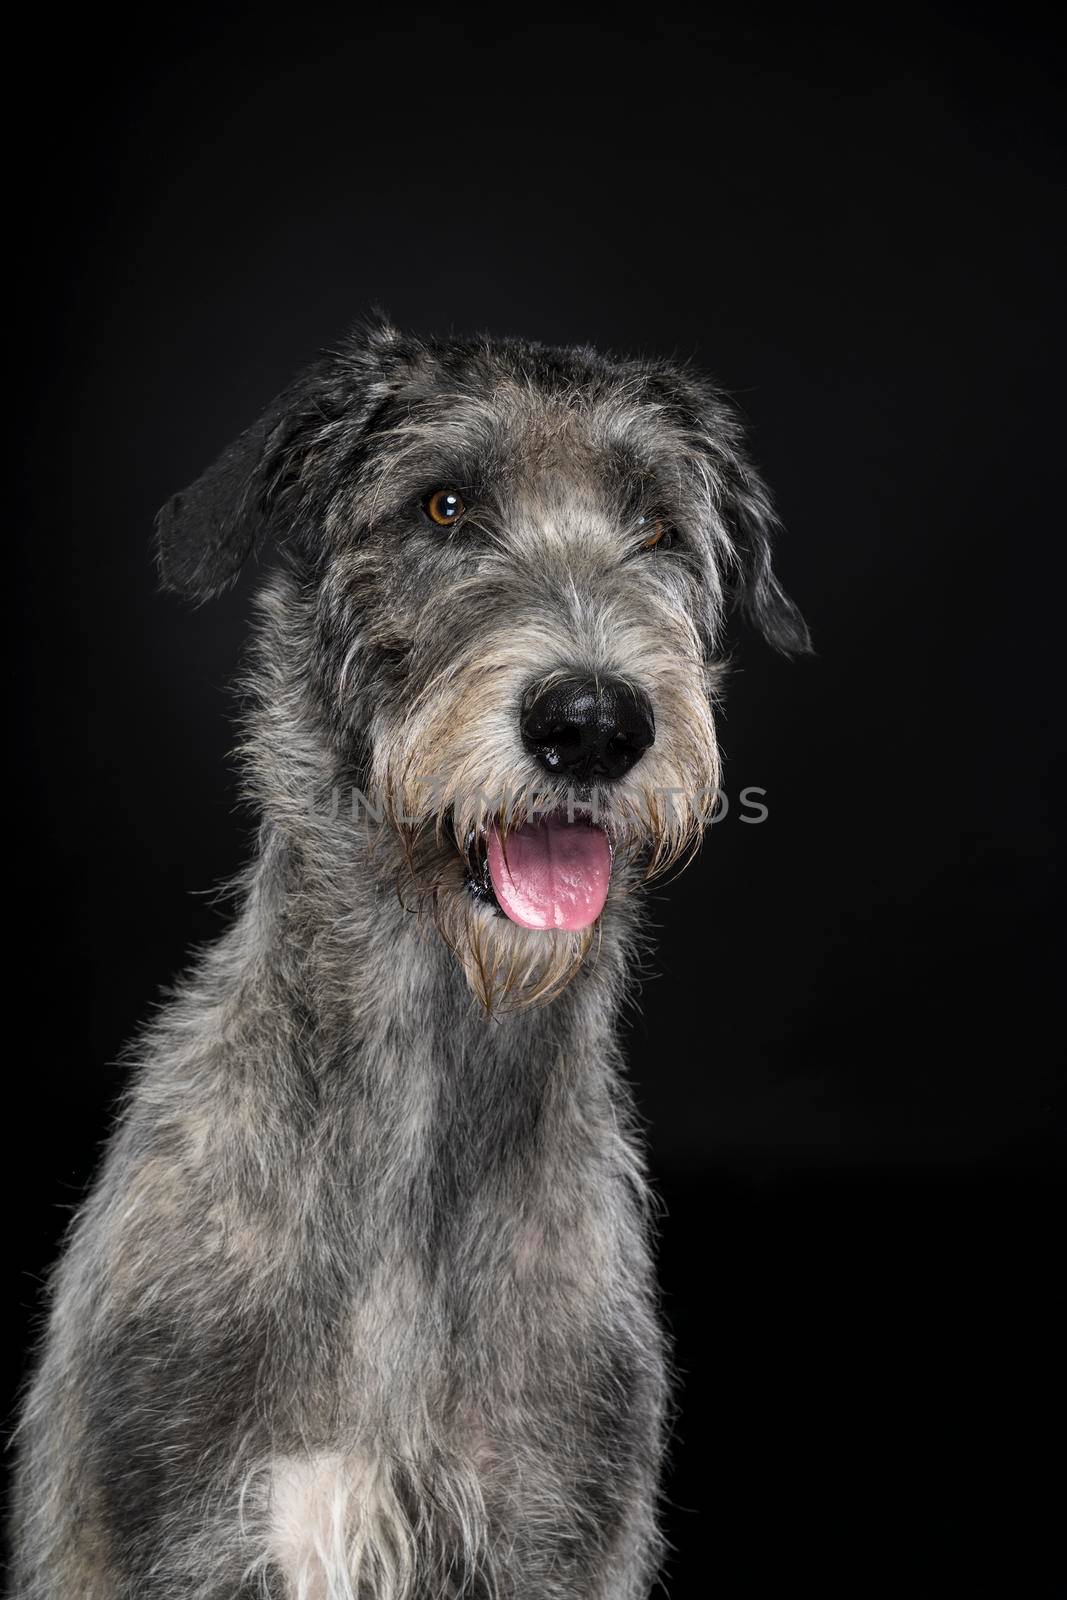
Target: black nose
<point x="587" y="728"/>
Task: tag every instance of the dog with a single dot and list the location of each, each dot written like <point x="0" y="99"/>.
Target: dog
<point x="361" y="1306"/>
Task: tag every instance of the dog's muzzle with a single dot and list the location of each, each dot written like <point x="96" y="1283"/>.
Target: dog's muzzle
<point x="554" y="871"/>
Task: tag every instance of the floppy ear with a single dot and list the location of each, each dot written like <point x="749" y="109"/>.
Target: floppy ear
<point x="204" y="534"/>
<point x="756" y="589"/>
<point x="746" y="517"/>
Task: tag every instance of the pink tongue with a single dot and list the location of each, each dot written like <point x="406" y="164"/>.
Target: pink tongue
<point x="555" y="876"/>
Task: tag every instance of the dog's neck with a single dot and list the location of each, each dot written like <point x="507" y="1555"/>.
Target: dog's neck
<point x="361" y="1048"/>
<point x="341" y="921"/>
<point x="367" y="962"/>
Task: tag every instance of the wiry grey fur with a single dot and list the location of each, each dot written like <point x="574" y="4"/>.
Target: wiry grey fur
<point x="360" y="1307"/>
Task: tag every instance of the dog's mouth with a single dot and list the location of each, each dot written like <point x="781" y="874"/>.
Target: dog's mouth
<point x="550" y="873"/>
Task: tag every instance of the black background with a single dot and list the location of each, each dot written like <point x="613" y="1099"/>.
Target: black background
<point x="847" y="1053"/>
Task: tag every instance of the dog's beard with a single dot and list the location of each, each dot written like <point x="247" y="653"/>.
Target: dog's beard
<point x="466" y="865"/>
<point x="461" y="731"/>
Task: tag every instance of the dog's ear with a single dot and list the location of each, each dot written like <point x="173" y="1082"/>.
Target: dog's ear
<point x="755" y="589"/>
<point x="205" y="534"/>
<point x="745" y="517"/>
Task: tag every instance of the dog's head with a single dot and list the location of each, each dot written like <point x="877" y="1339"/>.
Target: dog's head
<point x="506" y="573"/>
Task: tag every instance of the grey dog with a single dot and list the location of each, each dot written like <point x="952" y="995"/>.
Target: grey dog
<point x="360" y="1306"/>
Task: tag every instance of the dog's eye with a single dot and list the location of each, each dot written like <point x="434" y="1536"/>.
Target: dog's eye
<point x="445" y="507"/>
<point x="656" y="533"/>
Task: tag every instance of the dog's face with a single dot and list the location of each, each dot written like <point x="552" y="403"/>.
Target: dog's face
<point x="508" y="573"/>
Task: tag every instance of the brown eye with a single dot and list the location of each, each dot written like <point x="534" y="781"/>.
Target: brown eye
<point x="445" y="507"/>
<point x="656" y="533"/>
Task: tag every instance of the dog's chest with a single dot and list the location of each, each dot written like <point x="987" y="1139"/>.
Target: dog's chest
<point x="328" y="1517"/>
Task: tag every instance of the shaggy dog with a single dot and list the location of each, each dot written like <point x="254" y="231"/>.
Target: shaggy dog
<point x="360" y="1306"/>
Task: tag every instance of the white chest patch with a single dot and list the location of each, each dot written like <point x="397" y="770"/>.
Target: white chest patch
<point x="334" y="1521"/>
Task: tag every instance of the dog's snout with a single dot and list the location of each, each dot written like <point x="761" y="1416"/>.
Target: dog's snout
<point x="587" y="728"/>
